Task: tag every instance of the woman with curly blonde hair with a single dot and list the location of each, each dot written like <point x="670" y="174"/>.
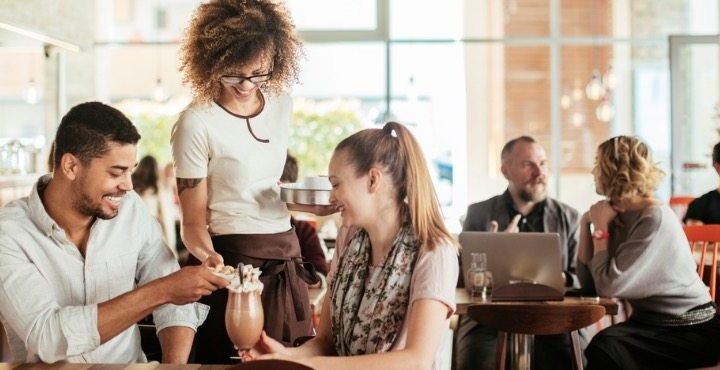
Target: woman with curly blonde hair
<point x="229" y="147"/>
<point x="632" y="247"/>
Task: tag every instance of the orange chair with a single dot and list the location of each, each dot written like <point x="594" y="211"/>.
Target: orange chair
<point x="707" y="239"/>
<point x="679" y="204"/>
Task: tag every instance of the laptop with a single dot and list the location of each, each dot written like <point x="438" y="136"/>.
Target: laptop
<point x="525" y="266"/>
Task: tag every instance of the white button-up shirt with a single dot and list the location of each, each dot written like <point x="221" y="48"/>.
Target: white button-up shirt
<point x="49" y="293"/>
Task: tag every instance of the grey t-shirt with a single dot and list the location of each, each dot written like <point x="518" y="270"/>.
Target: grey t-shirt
<point x="648" y="263"/>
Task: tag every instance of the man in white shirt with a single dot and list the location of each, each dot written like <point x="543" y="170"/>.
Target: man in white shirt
<point x="82" y="260"/>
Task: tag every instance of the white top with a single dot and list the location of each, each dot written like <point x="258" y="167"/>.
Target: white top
<point x="49" y="293"/>
<point x="242" y="172"/>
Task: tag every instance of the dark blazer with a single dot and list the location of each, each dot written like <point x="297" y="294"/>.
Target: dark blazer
<point x="558" y="218"/>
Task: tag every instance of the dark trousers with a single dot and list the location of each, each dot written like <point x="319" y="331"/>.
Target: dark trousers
<point x="477" y="346"/>
<point x="632" y="345"/>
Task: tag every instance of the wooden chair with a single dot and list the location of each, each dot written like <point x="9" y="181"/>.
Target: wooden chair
<point x="705" y="239"/>
<point x="679" y="204"/>
<point x="537" y="318"/>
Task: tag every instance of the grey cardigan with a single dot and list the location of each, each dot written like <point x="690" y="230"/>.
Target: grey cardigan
<point x="648" y="262"/>
<point x="558" y="218"/>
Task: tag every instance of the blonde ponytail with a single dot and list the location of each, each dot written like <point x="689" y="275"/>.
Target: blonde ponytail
<point x="396" y="150"/>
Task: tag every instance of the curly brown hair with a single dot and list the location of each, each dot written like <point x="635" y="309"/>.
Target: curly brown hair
<point x="624" y="168"/>
<point x="225" y="34"/>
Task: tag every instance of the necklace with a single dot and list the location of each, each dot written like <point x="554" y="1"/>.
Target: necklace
<point x="247" y="118"/>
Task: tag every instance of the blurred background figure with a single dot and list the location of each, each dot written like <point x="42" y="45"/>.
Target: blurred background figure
<point x="51" y="158"/>
<point x="167" y="181"/>
<point x="706" y="208"/>
<point x="310" y="247"/>
<point x="159" y="201"/>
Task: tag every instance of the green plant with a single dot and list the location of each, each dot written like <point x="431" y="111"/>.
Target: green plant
<point x="316" y="128"/>
<point x="155" y="131"/>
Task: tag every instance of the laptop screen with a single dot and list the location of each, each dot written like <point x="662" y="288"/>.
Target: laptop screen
<point x="516" y="257"/>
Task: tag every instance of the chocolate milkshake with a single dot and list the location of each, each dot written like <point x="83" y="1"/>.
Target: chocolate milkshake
<point x="244" y="313"/>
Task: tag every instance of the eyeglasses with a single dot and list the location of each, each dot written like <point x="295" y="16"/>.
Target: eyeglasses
<point x="237" y="80"/>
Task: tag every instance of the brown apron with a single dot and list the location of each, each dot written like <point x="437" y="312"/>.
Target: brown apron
<point x="285" y="296"/>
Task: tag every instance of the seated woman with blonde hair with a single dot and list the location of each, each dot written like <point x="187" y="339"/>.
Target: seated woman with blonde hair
<point x="632" y="247"/>
<point x="392" y="280"/>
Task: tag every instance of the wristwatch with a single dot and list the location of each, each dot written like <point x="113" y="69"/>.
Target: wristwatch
<point x="600" y="234"/>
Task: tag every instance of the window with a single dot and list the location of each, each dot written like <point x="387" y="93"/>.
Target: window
<point x="334" y="15"/>
<point x="465" y="75"/>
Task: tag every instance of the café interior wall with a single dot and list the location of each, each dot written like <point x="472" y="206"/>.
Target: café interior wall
<point x="50" y="18"/>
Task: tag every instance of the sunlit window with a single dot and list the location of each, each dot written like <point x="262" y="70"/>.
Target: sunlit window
<point x="334" y="15"/>
<point x="466" y="77"/>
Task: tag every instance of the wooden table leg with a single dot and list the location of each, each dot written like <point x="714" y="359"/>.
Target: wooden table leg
<point x="501" y="350"/>
<point x="576" y="350"/>
<point x="521" y="351"/>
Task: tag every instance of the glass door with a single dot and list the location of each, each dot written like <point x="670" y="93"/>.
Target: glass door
<point x="695" y="80"/>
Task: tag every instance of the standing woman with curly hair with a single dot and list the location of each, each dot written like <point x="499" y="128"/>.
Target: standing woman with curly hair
<point x="633" y="247"/>
<point x="229" y="147"/>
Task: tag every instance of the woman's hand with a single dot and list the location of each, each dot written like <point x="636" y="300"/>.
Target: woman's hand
<point x="265" y="348"/>
<point x="213" y="259"/>
<point x="277" y="356"/>
<point x="585" y="218"/>
<point x="318" y="210"/>
<point x="601" y="214"/>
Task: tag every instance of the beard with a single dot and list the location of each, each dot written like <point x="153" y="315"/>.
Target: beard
<point x="85" y="206"/>
<point x="538" y="193"/>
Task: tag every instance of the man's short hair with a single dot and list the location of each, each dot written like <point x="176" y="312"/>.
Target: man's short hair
<point x="716" y="153"/>
<point x="87" y="128"/>
<point x="510" y="145"/>
<point x="290" y="172"/>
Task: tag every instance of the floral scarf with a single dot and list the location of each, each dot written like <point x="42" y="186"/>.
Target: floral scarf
<point x="368" y="308"/>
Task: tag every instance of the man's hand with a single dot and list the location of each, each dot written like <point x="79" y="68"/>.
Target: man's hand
<point x="511" y="228"/>
<point x="189" y="284"/>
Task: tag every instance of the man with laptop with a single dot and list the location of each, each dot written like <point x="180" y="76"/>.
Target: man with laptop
<point x="523" y="207"/>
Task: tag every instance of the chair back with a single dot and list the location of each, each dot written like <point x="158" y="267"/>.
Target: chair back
<point x="679" y="204"/>
<point x="539" y="318"/>
<point x="705" y="240"/>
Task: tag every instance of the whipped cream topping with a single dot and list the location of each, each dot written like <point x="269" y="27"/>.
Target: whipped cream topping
<point x="223" y="269"/>
<point x="250" y="280"/>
